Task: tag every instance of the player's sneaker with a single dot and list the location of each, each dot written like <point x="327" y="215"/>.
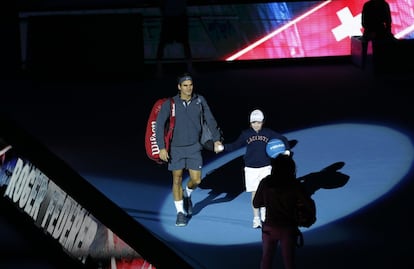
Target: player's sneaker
<point x="188" y="205"/>
<point x="181" y="219"/>
<point x="257" y="223"/>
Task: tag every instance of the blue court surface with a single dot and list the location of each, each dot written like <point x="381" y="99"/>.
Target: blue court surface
<point x="222" y="216"/>
<point x="354" y="148"/>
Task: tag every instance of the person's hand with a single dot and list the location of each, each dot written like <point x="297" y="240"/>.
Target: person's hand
<point x="218" y="147"/>
<point x="164" y="155"/>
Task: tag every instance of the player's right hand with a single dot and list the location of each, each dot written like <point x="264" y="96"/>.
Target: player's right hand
<point x="164" y="155"/>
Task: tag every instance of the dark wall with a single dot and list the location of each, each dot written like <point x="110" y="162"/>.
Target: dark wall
<point x="10" y="40"/>
<point x="85" y="43"/>
<point x="29" y="5"/>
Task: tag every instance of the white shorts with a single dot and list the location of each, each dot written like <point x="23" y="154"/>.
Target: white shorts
<point x="253" y="176"/>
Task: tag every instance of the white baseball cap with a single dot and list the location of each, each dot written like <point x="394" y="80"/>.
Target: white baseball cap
<point x="256" y="115"/>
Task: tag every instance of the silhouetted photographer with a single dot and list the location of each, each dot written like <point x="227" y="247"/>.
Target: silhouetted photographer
<point x="376" y="22"/>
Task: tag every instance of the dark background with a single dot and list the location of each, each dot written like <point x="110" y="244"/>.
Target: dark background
<point x="97" y="113"/>
<point x="27" y="5"/>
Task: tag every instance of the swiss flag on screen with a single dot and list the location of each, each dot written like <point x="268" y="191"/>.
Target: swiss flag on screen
<point x="323" y="30"/>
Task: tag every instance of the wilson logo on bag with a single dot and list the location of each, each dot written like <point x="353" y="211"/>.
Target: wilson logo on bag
<point x="151" y="146"/>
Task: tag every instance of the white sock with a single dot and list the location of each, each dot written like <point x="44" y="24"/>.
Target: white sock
<point x="263" y="214"/>
<point x="187" y="192"/>
<point x="179" y="205"/>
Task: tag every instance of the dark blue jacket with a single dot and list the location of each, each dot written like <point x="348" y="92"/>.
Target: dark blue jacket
<point x="187" y="130"/>
<point x="255" y="143"/>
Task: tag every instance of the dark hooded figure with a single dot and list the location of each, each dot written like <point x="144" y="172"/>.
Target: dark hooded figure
<point x="279" y="193"/>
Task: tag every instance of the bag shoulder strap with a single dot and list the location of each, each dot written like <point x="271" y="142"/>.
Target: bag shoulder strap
<point x="201" y="109"/>
<point x="172" y="113"/>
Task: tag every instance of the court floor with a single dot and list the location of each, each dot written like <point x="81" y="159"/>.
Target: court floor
<point x="355" y="147"/>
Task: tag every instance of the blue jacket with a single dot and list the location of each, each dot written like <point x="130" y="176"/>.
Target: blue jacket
<point x="187" y="130"/>
<point x="255" y="143"/>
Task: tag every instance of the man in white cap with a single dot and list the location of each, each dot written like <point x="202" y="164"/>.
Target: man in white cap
<point x="257" y="162"/>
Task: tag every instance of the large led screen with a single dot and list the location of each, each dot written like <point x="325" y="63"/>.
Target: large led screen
<point x="220" y="32"/>
<point x="276" y="30"/>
